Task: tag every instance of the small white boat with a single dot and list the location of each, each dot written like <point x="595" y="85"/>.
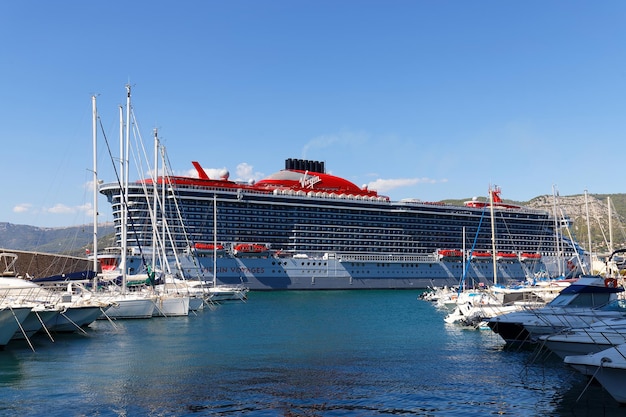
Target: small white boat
<point x="171" y="305"/>
<point x="608" y="367"/>
<point x="592" y="339"/>
<point x="474" y="307"/>
<point x="129" y="305"/>
<point x="227" y="292"/>
<point x="59" y="308"/>
<point x="80" y="307"/>
<point x="584" y="302"/>
<point x="41" y="318"/>
<point x="75" y="317"/>
<point x="27" y="294"/>
<point x="11" y="317"/>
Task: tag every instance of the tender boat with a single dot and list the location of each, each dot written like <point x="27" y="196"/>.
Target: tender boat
<point x="250" y="249"/>
<point x="529" y="257"/>
<point x="481" y="256"/>
<point x="450" y="254"/>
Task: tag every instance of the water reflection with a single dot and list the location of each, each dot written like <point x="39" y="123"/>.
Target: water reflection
<point x="10" y="369"/>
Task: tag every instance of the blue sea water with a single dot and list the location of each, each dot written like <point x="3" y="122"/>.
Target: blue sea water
<point x="326" y="353"/>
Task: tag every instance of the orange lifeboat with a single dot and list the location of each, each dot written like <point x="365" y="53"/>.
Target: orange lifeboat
<point x="208" y="247"/>
<point x="449" y="254"/>
<point x="529" y="257"/>
<point x="506" y="256"/>
<point x="481" y="256"/>
<point x="250" y="249"/>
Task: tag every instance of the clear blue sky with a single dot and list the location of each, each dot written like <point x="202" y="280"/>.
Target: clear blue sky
<point x="418" y="99"/>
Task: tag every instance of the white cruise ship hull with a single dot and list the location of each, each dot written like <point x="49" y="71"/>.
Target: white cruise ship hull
<point x="318" y="273"/>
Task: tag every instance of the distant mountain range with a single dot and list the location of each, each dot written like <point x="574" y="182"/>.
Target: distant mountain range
<point x="75" y="240"/>
<point x="72" y="240"/>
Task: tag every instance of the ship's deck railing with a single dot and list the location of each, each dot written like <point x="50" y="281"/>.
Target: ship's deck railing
<point x="300" y="194"/>
<point x="426" y="258"/>
<point x="239" y="192"/>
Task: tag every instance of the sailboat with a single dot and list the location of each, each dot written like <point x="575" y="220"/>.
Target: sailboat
<point x="201" y="291"/>
<point x="125" y="304"/>
<point x="474" y="306"/>
<point x="173" y="299"/>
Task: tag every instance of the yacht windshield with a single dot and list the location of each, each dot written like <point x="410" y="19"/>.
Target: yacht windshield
<point x="588" y="299"/>
<point x="615" y="305"/>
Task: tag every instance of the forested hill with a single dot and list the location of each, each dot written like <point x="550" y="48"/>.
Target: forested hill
<point x="576" y="207"/>
<point x="597" y="205"/>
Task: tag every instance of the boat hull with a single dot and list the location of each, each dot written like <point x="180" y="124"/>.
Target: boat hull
<point x="10" y="321"/>
<point x="324" y="273"/>
<point x="608" y="367"/>
<point x="36" y="321"/>
<point x="510" y="332"/>
<point x="196" y="303"/>
<point x="129" y="307"/>
<point x="563" y="348"/>
<point x="601" y="335"/>
<point x="74" y="318"/>
<point x="171" y="306"/>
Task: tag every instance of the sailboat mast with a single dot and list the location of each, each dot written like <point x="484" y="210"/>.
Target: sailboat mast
<point x="164" y="182"/>
<point x="464" y="258"/>
<point x="557" y="239"/>
<point x="608" y="202"/>
<point x="95" y="190"/>
<point x="122" y="203"/>
<point x="126" y="174"/>
<point x="124" y="151"/>
<point x="588" y="226"/>
<point x="214" y="240"/>
<point x="155" y="190"/>
<point x="493" y="239"/>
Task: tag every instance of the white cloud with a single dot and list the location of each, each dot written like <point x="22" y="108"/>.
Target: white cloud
<point x="213" y="173"/>
<point x="342" y="138"/>
<point x="22" y="208"/>
<point x="59" y="209"/>
<point x="89" y="186"/>
<point x="383" y="185"/>
<point x="243" y="172"/>
<point x="85" y="208"/>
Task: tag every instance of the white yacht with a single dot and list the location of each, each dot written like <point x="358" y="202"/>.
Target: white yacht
<point x="599" y="336"/>
<point x="582" y="303"/>
<point x="608" y="367"/>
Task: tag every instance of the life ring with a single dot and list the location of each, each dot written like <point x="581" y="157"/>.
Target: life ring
<point x="570" y="265"/>
<point x="610" y="282"/>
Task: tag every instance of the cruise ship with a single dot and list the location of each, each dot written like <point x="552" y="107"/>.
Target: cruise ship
<point x="304" y="229"/>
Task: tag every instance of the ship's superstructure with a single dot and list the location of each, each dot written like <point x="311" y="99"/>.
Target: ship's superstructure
<point x="302" y="228"/>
